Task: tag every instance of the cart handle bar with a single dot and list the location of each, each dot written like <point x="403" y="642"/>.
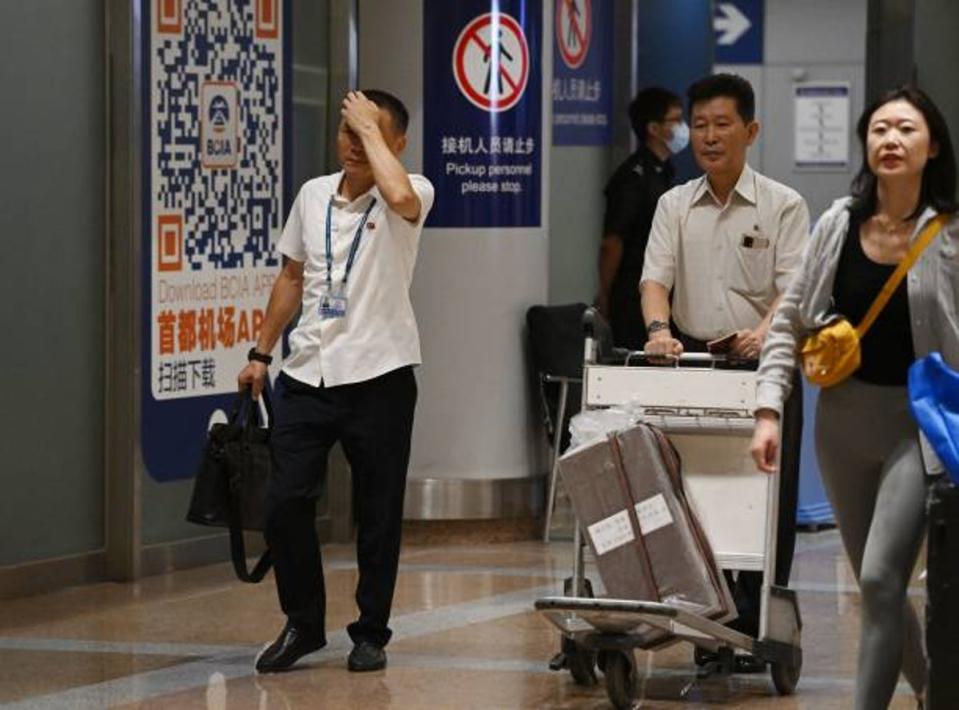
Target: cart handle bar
<point x="705" y="358"/>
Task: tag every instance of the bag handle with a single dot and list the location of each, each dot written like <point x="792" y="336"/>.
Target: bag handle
<point x="247" y="406"/>
<point x="237" y="409"/>
<point x="892" y="283"/>
<point x="246" y="400"/>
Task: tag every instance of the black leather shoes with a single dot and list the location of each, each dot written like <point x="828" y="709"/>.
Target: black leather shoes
<point x="366" y="656"/>
<point x="291" y="645"/>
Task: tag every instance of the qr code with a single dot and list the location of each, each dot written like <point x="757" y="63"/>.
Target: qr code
<point x="217" y="129"/>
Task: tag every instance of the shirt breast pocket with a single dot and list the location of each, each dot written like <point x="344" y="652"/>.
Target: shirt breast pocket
<point x="749" y="266"/>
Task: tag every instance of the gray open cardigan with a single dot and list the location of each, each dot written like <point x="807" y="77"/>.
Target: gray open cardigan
<point x="932" y="285"/>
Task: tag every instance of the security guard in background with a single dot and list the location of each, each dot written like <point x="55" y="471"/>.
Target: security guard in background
<point x="656" y="116"/>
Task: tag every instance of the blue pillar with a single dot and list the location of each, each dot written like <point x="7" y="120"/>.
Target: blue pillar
<point x="674" y="48"/>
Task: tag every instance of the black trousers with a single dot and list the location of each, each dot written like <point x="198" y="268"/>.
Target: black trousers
<point x="374" y="421"/>
<point x="626" y="317"/>
<point x="747" y="587"/>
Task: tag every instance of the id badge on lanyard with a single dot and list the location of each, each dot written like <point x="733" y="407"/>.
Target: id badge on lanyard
<point x="333" y="299"/>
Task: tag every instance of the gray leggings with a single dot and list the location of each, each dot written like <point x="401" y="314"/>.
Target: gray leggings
<point x="872" y="470"/>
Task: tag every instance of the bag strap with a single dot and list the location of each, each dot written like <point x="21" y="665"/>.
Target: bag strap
<point x="250" y="408"/>
<point x="631" y="510"/>
<point x="237" y="409"/>
<point x="237" y="542"/>
<point x="892" y="283"/>
<point x="238" y="547"/>
<point x="268" y="405"/>
<point x="238" y="556"/>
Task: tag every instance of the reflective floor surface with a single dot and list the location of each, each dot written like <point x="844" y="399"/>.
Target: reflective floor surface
<point x="466" y="636"/>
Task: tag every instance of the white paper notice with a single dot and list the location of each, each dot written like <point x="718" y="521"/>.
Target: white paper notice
<point x="653" y="514"/>
<point x="822" y="125"/>
<point x="612" y="532"/>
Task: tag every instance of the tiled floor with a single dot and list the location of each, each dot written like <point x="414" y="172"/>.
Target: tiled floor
<point x="465" y="637"/>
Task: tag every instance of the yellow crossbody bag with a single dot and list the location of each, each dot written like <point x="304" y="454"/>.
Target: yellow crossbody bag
<point x="831" y="354"/>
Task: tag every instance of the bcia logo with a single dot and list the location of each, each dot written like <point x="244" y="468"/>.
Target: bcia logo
<point x="219" y="144"/>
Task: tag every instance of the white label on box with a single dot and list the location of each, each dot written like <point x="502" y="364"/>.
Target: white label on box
<point x="653" y="514"/>
<point x="612" y="532"/>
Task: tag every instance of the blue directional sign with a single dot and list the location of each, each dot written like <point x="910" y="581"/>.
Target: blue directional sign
<point x="739" y="31"/>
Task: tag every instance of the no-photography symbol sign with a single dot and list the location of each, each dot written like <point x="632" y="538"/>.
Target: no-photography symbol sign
<point x="491" y="62"/>
<point x="574" y="26"/>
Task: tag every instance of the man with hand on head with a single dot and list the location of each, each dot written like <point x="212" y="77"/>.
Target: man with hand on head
<point x="721" y="252"/>
<point x="349" y="247"/>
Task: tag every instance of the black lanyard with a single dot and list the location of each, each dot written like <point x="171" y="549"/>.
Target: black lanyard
<point x="354" y="247"/>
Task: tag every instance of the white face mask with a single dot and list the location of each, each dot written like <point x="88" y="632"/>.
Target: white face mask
<point x="679" y="139"/>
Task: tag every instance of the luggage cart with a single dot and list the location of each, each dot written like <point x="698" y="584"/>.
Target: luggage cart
<point x="707" y="413"/>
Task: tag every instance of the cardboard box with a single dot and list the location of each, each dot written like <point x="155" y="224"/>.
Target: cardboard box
<point x="628" y="496"/>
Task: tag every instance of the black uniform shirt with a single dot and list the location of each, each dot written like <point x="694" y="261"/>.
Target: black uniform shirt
<point x="631" y="196"/>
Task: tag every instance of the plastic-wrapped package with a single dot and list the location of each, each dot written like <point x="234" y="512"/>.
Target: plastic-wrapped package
<point x="592" y="425"/>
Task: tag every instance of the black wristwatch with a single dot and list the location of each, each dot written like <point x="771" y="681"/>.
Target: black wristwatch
<point x="655" y="326"/>
<point x="259" y="357"/>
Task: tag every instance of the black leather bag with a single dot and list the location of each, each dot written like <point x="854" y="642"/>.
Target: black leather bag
<point x="231" y="482"/>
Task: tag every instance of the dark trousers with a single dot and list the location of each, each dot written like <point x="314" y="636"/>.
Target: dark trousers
<point x="747" y="588"/>
<point x="626" y="318"/>
<point x="374" y="421"/>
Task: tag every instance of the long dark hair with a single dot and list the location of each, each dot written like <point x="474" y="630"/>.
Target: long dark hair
<point x="939" y="175"/>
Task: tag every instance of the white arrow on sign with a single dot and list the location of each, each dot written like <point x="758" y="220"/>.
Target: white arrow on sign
<point x="730" y="22"/>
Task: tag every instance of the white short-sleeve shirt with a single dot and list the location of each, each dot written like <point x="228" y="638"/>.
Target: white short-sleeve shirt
<point x="726" y="263"/>
<point x="378" y="334"/>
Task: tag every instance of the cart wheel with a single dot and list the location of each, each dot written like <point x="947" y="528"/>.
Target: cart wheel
<point x="785" y="676"/>
<point x="620" y="679"/>
<point x="581" y="662"/>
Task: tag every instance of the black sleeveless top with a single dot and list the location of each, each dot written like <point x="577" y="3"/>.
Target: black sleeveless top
<point x="886" y="349"/>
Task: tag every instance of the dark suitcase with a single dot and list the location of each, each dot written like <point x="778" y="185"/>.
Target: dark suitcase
<point x="942" y="606"/>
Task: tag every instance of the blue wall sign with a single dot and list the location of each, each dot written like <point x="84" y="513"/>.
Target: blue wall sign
<point x="674" y="49"/>
<point x="482" y="111"/>
<point x="216" y="190"/>
<point x="582" y="72"/>
<point x="739" y="31"/>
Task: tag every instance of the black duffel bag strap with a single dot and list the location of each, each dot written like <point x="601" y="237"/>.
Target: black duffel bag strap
<point x="238" y="554"/>
<point x="237" y="542"/>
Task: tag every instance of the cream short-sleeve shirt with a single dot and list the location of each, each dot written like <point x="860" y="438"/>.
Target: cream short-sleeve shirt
<point x="725" y="263"/>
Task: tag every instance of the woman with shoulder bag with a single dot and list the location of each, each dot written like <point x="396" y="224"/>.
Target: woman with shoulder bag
<point x="885" y="258"/>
